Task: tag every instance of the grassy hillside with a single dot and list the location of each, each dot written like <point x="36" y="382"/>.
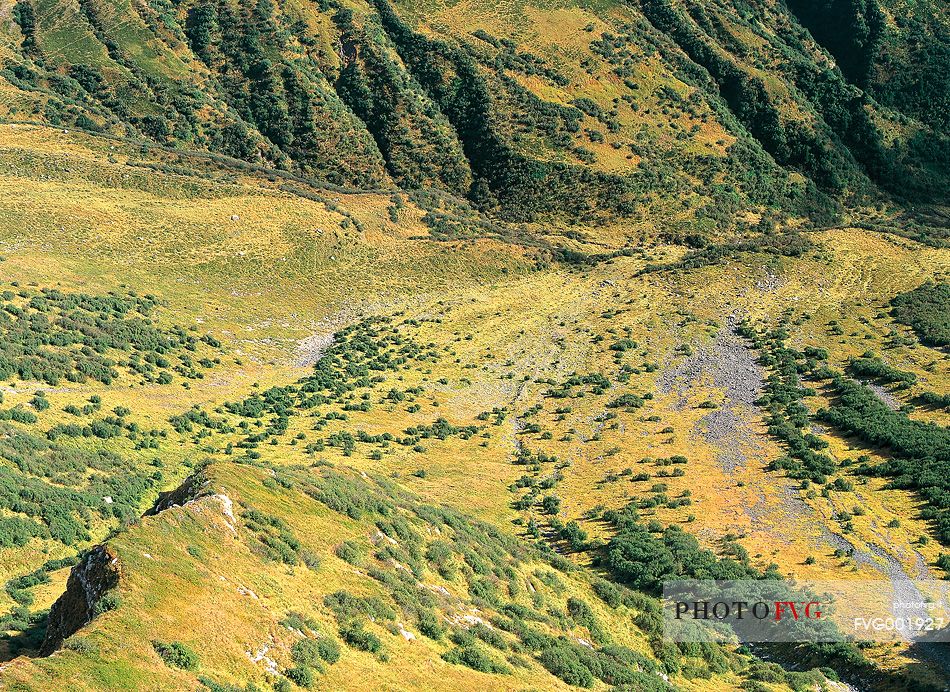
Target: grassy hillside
<point x="412" y="345"/>
<point x="375" y="581"/>
<point x="586" y="113"/>
<point x="405" y="378"/>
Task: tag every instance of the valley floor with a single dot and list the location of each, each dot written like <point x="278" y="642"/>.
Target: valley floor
<point x="483" y="383"/>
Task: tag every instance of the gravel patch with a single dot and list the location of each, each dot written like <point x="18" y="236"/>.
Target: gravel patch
<point x="310" y="349"/>
<point x="727" y="365"/>
<point x="884" y="395"/>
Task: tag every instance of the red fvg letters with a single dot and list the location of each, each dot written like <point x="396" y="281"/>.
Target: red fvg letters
<point x="780" y="608"/>
<point x="810" y="610"/>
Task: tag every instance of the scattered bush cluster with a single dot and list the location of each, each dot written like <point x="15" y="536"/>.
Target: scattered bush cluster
<point x="53" y="336"/>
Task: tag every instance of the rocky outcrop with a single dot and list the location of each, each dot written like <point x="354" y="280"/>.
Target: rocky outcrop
<point x="95" y="575"/>
<point x="193" y="487"/>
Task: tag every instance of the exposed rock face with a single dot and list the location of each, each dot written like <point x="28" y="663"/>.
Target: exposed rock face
<point x="193" y="487"/>
<point x="88" y="582"/>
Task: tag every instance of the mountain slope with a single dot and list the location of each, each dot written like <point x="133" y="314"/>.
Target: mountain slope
<point x="406" y="580"/>
<point x="362" y="344"/>
<point x="699" y="113"/>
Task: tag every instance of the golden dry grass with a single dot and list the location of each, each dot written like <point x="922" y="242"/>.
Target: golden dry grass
<point x="77" y="222"/>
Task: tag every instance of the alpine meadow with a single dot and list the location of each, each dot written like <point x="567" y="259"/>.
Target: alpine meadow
<point x="424" y="344"/>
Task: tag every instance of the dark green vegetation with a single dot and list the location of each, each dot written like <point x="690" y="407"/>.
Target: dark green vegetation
<point x="275" y="539"/>
<point x="643" y="559"/>
<point x="920" y="451"/>
<point x="927" y="310"/>
<point x="935" y="400"/>
<point x="376" y="95"/>
<point x="176" y="655"/>
<point x="788" y="417"/>
<point x="52" y="336"/>
<point x="869" y="51"/>
<point x="843" y="132"/>
<point x="871" y="367"/>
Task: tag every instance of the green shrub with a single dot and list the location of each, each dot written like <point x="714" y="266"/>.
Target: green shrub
<point x="176" y="654"/>
<point x="306" y="653"/>
<point x="430" y="625"/>
<point x="356" y="636"/>
<point x="81" y="645"/>
<point x="352" y="552"/>
<point x="926" y="310"/>
<point x="637" y="681"/>
<point x="473" y="657"/>
<point x="300" y="675"/>
<point x="109" y="601"/>
<point x="562" y="662"/>
<point x="328" y="649"/>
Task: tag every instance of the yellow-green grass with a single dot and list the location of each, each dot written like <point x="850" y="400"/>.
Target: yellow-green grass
<point x="224" y="601"/>
<point x="70" y="218"/>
